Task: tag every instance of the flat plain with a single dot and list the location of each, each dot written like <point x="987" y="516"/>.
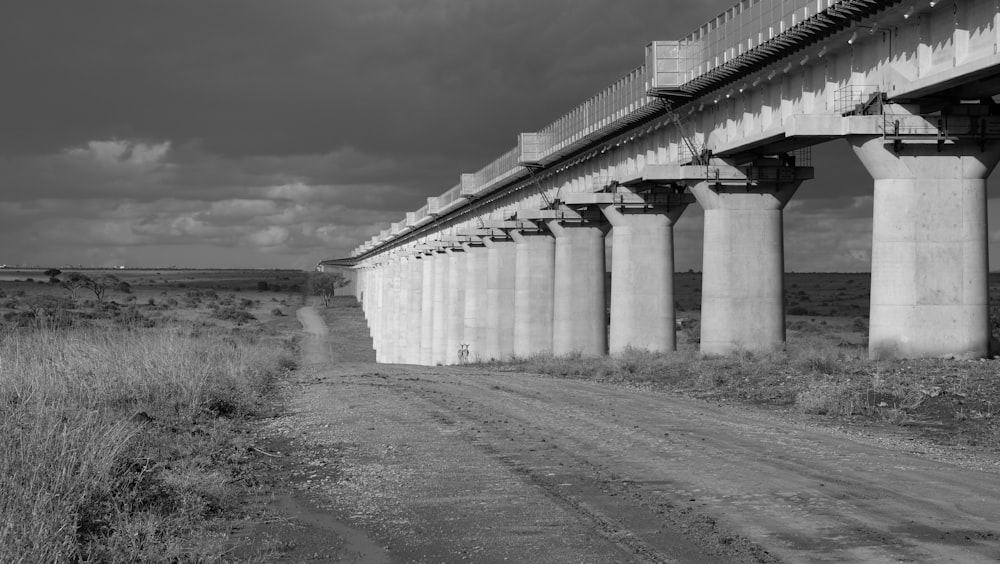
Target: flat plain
<point x="225" y="432"/>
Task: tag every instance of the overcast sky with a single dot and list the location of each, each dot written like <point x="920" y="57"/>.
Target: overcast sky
<point x="251" y="133"/>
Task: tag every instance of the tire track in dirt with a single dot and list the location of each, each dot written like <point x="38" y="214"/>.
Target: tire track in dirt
<point x="640" y="468"/>
<point x="837" y="497"/>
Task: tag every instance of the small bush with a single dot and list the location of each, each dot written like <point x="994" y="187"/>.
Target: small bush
<point x="237" y="315"/>
<point x="828" y="397"/>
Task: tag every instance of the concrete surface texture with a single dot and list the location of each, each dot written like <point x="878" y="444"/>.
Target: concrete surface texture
<point x="475" y="300"/>
<point x="455" y="304"/>
<point x="500" y="280"/>
<point x="579" y="323"/>
<point x="533" y="292"/>
<point x="414" y="319"/>
<point x="743" y="268"/>
<point x="427" y="311"/>
<point x="929" y="257"/>
<point x="642" y="279"/>
<point x="439" y="332"/>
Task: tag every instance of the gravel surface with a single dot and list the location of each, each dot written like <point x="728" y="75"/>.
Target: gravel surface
<point x="452" y="464"/>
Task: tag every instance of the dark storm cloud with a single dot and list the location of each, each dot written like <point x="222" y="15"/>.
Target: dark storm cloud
<point x="137" y="130"/>
<point x="405" y="77"/>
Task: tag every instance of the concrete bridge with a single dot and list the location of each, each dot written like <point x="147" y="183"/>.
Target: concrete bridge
<point x="511" y="260"/>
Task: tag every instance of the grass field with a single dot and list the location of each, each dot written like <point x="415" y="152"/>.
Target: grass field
<point x="124" y="420"/>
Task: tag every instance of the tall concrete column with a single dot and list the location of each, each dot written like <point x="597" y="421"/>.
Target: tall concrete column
<point x="427" y="310"/>
<point x="439" y="333"/>
<point x="390" y="317"/>
<point x="475" y="299"/>
<point x="642" y="278"/>
<point x="378" y="312"/>
<point x="579" y="323"/>
<point x="455" y="304"/>
<point x="366" y="295"/>
<point x="359" y="281"/>
<point x="533" y="292"/>
<point x="930" y="262"/>
<point x="500" y="279"/>
<point x="414" y="317"/>
<point x="743" y="267"/>
<point x="401" y="307"/>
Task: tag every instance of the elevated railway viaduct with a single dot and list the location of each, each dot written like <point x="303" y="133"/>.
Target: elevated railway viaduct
<point x="511" y="260"/>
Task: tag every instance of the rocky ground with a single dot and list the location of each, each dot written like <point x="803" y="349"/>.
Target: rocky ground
<point x="384" y="463"/>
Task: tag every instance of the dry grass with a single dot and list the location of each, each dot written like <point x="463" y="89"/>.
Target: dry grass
<point x="955" y="400"/>
<point x="113" y="439"/>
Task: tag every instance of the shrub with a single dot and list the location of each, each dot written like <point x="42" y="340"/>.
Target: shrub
<point x="230" y="313"/>
<point x="81" y="479"/>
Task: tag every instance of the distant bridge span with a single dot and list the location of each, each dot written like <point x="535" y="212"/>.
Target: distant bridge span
<point x="511" y="259"/>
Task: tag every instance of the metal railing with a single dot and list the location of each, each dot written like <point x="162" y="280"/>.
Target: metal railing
<point x="851" y="99"/>
<point x="497" y="171"/>
<point x="746" y="26"/>
<point x="625" y="96"/>
<point x="910" y="126"/>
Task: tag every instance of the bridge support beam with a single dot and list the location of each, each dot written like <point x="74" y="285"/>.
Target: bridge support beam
<point x="930" y="260"/>
<point x="579" y="322"/>
<point x="475" y="299"/>
<point x="533" y="292"/>
<point x="401" y="307"/>
<point x="455" y="304"/>
<point x="439" y="333"/>
<point x="426" y="357"/>
<point x="500" y="280"/>
<point x="743" y="265"/>
<point x="414" y="299"/>
<point x="642" y="278"/>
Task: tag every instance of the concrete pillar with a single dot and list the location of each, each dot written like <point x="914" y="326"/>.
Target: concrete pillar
<point x="579" y="322"/>
<point x="475" y="300"/>
<point x="743" y="267"/>
<point x="378" y="315"/>
<point x="390" y="311"/>
<point x="930" y="262"/>
<point x="533" y="292"/>
<point x="359" y="281"/>
<point x="455" y="304"/>
<point x="366" y="293"/>
<point x="500" y="276"/>
<point x="376" y="301"/>
<point x="427" y="310"/>
<point x="439" y="333"/>
<point x="401" y="303"/>
<point x="642" y="278"/>
<point x="414" y="317"/>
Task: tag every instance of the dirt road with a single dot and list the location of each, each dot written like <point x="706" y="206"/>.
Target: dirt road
<point x="451" y="464"/>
